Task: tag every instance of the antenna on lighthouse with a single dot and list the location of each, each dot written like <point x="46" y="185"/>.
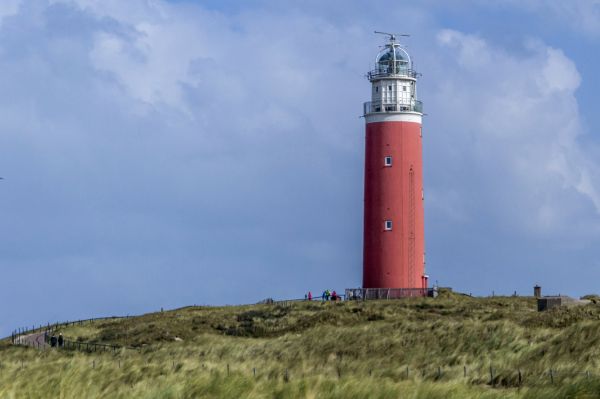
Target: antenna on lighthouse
<point x="392" y="36"/>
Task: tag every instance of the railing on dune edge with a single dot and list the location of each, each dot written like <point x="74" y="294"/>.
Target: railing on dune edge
<point x="89" y="346"/>
<point x="18" y="335"/>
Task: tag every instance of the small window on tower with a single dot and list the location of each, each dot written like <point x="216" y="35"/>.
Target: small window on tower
<point x="387" y="161"/>
<point x="403" y="88"/>
<point x="388" y="225"/>
<point x="376" y="89"/>
<point x="390" y="88"/>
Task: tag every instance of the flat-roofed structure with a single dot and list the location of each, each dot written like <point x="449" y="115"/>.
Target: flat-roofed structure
<point x="553" y="301"/>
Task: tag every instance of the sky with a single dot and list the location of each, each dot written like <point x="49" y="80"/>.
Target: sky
<point x="164" y="153"/>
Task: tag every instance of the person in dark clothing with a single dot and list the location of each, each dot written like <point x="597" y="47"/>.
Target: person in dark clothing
<point x="53" y="341"/>
<point x="61" y="341"/>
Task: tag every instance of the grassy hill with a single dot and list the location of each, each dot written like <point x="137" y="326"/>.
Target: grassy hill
<point x="452" y="346"/>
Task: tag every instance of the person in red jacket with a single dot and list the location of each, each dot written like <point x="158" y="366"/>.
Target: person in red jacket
<point x="309" y="296"/>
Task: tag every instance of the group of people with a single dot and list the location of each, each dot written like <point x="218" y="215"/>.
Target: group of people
<point x="55" y="341"/>
<point x="330" y="296"/>
<point x="326" y="296"/>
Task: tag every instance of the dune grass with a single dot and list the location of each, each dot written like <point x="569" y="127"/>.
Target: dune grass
<point x="450" y="347"/>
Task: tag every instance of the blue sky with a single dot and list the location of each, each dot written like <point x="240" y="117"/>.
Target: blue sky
<point x="164" y="153"/>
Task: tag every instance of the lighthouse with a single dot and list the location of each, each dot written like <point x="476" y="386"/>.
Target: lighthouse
<point x="394" y="244"/>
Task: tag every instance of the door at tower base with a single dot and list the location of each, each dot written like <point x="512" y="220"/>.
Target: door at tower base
<point x="393" y="252"/>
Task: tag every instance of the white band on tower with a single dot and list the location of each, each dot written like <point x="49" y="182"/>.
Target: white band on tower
<point x="392" y="117"/>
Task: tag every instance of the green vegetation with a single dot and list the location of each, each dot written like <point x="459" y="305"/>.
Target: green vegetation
<point x="453" y="346"/>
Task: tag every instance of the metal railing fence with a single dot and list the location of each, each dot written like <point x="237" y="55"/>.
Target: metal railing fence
<point x="388" y="293"/>
<point x="20" y="336"/>
<point x="383" y="71"/>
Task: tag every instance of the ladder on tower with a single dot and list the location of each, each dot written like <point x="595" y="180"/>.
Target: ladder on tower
<point x="411" y="228"/>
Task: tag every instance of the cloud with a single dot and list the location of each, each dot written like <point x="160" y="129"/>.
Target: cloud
<point x="152" y="149"/>
<point x="473" y="51"/>
<point x="9" y="7"/>
<point x="165" y="153"/>
<point x="558" y="73"/>
<point x="519" y="119"/>
<point x="579" y="15"/>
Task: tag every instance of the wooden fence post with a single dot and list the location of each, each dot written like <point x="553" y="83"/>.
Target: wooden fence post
<point x="492" y="383"/>
<point x="465" y="371"/>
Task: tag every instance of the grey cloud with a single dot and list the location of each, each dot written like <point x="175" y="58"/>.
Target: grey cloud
<point x="162" y="154"/>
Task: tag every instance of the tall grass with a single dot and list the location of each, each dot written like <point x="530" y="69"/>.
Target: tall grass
<point x="449" y="347"/>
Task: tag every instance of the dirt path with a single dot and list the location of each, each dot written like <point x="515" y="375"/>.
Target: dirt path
<point x="35" y="340"/>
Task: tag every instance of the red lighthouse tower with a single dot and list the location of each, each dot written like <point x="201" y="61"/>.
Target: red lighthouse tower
<point x="394" y="245"/>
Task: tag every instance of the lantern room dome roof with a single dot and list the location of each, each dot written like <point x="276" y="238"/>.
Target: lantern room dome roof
<point x="386" y="55"/>
<point x="392" y="60"/>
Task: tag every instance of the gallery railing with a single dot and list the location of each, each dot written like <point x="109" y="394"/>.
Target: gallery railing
<point x="370" y="107"/>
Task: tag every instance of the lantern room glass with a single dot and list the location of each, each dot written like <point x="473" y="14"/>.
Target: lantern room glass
<point x="392" y="60"/>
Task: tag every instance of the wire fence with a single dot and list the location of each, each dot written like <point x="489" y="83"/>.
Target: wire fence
<point x="44" y="335"/>
<point x="18" y="335"/>
<point x="88" y="346"/>
<point x="41" y="336"/>
<point x="25" y="336"/>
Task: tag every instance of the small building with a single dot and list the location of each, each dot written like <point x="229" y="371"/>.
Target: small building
<point x="549" y="302"/>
